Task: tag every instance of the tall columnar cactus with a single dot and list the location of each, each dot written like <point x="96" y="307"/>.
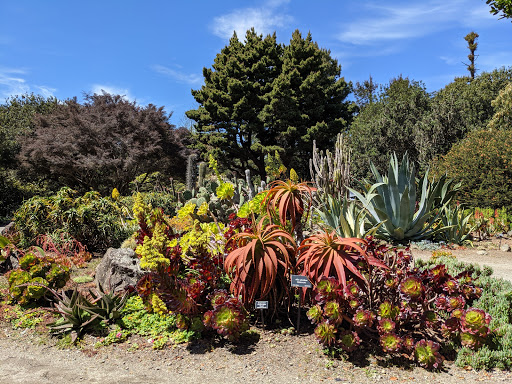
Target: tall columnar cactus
<point x="191" y="172"/>
<point x="202" y="173"/>
<point x="331" y="172"/>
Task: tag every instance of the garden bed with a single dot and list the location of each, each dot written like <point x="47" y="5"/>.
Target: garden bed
<point x="30" y="355"/>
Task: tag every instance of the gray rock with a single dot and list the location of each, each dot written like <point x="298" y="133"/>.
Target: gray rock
<point x="7" y="228"/>
<point x="505" y="248"/>
<point x="483" y="253"/>
<point x="118" y="269"/>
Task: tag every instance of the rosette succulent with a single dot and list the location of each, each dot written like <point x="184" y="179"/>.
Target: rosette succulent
<point x="455" y="302"/>
<point x="349" y="341"/>
<point x="476" y="322"/>
<point x="427" y="354"/>
<point x="315" y="314"/>
<point x="363" y="318"/>
<point x="326" y="334"/>
<point x="228" y="319"/>
<point x="412" y="287"/>
<point x="387" y="310"/>
<point x="333" y="311"/>
<point x="451" y="286"/>
<point x="390" y="342"/>
<point x="470" y="340"/>
<point x="386" y="326"/>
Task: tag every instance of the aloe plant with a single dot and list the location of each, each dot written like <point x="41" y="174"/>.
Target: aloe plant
<point x="457" y="229"/>
<point x="393" y="201"/>
<point x="346" y="218"/>
<point x="75" y="318"/>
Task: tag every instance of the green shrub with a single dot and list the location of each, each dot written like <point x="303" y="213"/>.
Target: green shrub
<point x="95" y="221"/>
<point x="482" y="162"/>
<point x="41" y="270"/>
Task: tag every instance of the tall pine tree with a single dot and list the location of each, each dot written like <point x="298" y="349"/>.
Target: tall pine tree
<point x="260" y="97"/>
<point x="307" y="102"/>
<point x="235" y="92"/>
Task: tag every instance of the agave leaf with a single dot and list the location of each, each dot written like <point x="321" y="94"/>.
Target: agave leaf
<point x="4" y="242"/>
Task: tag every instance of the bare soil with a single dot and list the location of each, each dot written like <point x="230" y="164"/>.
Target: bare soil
<point x="31" y="357"/>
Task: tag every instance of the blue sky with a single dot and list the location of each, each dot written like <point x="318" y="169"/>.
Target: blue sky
<point x="154" y="51"/>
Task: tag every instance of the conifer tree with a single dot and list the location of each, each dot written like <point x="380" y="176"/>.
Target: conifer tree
<point x="307" y="102"/>
<point x="260" y="97"/>
<point x="235" y="92"/>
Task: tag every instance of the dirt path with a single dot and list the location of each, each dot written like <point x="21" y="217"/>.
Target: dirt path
<point x="483" y="253"/>
<point x="274" y="359"/>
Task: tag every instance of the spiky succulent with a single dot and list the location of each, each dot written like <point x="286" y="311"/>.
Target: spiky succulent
<point x="476" y="322"/>
<point x="412" y="287"/>
<point x="427" y="354"/>
<point x="315" y="314"/>
<point x="349" y="341"/>
<point x="390" y="342"/>
<point x="326" y="334"/>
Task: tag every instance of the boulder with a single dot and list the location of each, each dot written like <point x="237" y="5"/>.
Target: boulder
<point x="505" y="248"/>
<point x="118" y="269"/>
<point x="8" y="228"/>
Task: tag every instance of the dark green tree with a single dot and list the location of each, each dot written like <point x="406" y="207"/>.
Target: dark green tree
<point x="260" y="97"/>
<point x="387" y="126"/>
<point x="462" y="106"/>
<point x="308" y="102"/>
<point x="365" y="92"/>
<point x="503" y="8"/>
<point x="236" y="90"/>
<point x="16" y="120"/>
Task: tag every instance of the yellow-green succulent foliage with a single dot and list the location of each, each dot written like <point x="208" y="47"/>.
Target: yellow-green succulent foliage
<point x="225" y="191"/>
<point x="151" y="252"/>
<point x="254" y="206"/>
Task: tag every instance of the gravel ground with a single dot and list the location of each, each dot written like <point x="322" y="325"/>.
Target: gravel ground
<point x="28" y="357"/>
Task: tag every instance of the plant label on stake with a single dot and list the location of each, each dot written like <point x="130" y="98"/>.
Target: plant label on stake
<point x="299" y="281"/>
<point x="261" y="305"/>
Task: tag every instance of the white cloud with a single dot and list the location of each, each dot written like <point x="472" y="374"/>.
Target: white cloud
<point x="179" y="76"/>
<point x="399" y="22"/>
<point x="13" y="82"/>
<point x="45" y="91"/>
<point x="264" y="20"/>
<point x="99" y="88"/>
